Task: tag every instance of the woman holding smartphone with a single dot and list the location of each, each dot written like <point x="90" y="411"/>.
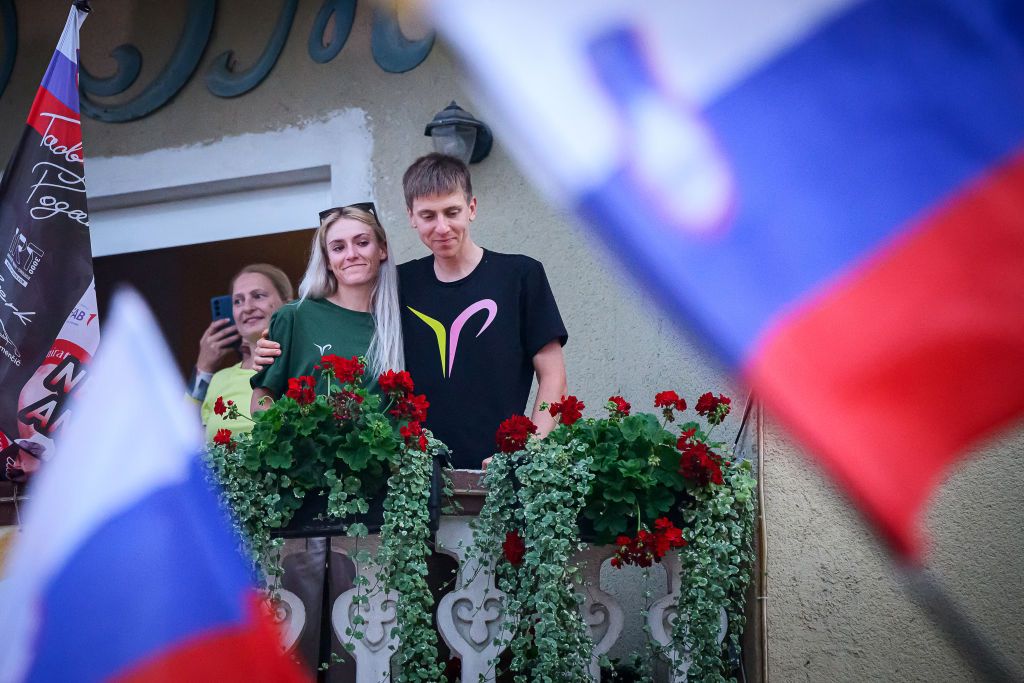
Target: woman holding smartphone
<point x="347" y="306"/>
<point x="257" y="291"/>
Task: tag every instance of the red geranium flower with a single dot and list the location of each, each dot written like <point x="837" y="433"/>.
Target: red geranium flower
<point x="223" y="438"/>
<point x="218" y="406"/>
<point x="414" y="436"/>
<point x="684" y="438"/>
<point x="630" y="552"/>
<point x="667" y="536"/>
<point x="669" y="401"/>
<point x="647" y="547"/>
<point x="513" y="548"/>
<point x="344" y="369"/>
<point x="665" y="399"/>
<point x="342" y="402"/>
<point x="513" y="433"/>
<point x="706" y="403"/>
<point x="413" y="406"/>
<point x="395" y="382"/>
<point x="699" y="464"/>
<point x="714" y="409"/>
<point x="570" y="409"/>
<point x="302" y="389"/>
<point x="618" y="406"/>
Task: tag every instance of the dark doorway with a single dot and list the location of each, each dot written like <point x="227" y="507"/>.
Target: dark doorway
<point x="178" y="282"/>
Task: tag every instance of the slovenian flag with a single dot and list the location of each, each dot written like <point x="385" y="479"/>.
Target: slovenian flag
<point x="831" y="192"/>
<point x="127" y="568"/>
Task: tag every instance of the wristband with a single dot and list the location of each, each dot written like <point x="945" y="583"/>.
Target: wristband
<point x="199" y="383"/>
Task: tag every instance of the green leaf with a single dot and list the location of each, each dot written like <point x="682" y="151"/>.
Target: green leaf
<point x="356" y="458"/>
<point x="631" y="428"/>
<point x="281" y="457"/>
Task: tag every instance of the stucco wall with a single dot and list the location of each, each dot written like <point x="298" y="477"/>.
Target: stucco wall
<point x="836" y="610"/>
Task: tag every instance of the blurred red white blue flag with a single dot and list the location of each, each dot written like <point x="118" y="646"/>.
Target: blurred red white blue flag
<point x="49" y="327"/>
<point x="831" y="192"/>
<point x="127" y="568"/>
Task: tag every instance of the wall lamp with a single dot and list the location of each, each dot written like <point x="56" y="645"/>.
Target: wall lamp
<point x="457" y="132"/>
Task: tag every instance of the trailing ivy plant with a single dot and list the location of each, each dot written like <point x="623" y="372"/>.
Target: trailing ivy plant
<point x="535" y="512"/>
<point x="251" y="497"/>
<point x="630" y="480"/>
<point x="347" y="445"/>
<point x="715" y="573"/>
<point x="402" y="556"/>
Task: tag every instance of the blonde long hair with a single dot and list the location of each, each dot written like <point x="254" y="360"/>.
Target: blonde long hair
<point x="385" y="352"/>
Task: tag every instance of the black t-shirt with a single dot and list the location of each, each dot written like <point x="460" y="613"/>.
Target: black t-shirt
<point x="469" y="345"/>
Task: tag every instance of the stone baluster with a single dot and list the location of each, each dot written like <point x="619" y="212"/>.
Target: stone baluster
<point x="290" y="615"/>
<point x="288" y="611"/>
<point x="373" y="651"/>
<point x="662" y="616"/>
<point x="469" y="618"/>
<point x="601" y="612"/>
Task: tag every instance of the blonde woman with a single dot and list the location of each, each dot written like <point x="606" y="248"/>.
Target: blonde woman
<point x="257" y="291"/>
<point x="347" y="306"/>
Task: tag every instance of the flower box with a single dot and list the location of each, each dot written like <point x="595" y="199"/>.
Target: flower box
<point x="311" y="519"/>
<point x="639" y="481"/>
<point x="362" y="456"/>
<point x="591" y="536"/>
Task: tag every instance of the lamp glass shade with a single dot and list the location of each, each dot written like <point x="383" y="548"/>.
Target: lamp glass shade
<point x="454" y="139"/>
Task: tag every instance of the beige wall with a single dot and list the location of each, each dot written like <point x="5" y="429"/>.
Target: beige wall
<point x="835" y="609"/>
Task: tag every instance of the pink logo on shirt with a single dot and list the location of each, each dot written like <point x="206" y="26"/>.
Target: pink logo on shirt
<point x="448" y="364"/>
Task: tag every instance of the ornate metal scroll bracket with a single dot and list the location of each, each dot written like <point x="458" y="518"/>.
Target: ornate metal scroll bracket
<point x="195" y="36"/>
<point x="392" y="51"/>
<point x="344" y="13"/>
<point x="221" y="78"/>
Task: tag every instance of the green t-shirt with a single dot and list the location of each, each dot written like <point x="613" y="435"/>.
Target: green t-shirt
<point x="308" y="330"/>
<point x="233" y="384"/>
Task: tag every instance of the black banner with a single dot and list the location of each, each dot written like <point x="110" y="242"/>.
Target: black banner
<point x="48" y="319"/>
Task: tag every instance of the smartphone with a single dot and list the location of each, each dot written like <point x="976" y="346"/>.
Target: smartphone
<point x="221" y="309"/>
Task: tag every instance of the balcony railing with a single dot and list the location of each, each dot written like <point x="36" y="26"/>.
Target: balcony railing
<point x="468" y="617"/>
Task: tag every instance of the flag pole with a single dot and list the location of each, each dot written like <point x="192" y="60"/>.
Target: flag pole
<point x="17" y="509"/>
<point x="972" y="645"/>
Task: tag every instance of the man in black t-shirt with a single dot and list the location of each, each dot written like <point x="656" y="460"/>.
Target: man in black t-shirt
<point x="478" y="325"/>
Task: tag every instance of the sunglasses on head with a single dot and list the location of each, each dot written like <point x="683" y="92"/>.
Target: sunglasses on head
<point x="368" y="207"/>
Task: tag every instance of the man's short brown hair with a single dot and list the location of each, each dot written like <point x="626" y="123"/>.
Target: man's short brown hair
<point x="434" y="175"/>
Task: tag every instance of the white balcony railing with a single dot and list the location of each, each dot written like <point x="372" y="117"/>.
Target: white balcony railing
<point x="468" y="615"/>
